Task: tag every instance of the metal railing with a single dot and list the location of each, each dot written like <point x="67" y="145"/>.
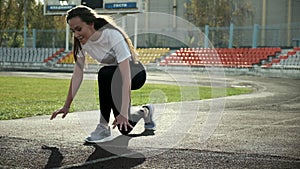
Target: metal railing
<point x="281" y="35"/>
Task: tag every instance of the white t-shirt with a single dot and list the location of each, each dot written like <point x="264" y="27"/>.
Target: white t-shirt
<point x="110" y="48"/>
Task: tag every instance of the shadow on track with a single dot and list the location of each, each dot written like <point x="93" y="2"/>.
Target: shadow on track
<point x="111" y="154"/>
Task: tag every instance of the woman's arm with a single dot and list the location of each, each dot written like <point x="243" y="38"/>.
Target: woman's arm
<point x="122" y="119"/>
<point x="73" y="88"/>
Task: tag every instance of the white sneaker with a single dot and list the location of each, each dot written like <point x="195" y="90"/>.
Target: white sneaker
<point x="148" y="117"/>
<point x="101" y="134"/>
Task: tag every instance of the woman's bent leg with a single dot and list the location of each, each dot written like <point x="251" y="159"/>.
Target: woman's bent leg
<point x="105" y="75"/>
<point x="134" y="117"/>
<point x="110" y="96"/>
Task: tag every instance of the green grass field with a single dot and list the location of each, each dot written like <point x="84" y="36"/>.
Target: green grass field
<point x="25" y="97"/>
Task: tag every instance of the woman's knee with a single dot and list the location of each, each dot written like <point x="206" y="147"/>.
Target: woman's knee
<point x="106" y="72"/>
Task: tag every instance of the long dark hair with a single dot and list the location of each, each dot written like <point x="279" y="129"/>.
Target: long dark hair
<point x="89" y="16"/>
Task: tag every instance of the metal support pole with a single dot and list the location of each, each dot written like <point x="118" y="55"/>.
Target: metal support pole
<point x="206" y="36"/>
<point x="25" y="26"/>
<point x="67" y="37"/>
<point x="254" y="36"/>
<point x="263" y="22"/>
<point x="289" y="20"/>
<point x="174" y="13"/>
<point x="34" y="38"/>
<point x="230" y="36"/>
<point x="135" y="30"/>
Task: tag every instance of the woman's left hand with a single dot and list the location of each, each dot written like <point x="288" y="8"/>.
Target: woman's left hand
<point x="122" y="122"/>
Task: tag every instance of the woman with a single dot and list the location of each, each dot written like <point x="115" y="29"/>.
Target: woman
<point x="105" y="42"/>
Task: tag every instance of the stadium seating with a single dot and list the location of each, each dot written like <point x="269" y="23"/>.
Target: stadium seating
<point x="151" y="55"/>
<point x="54" y="55"/>
<point x="66" y="59"/>
<point x="225" y="57"/>
<point x="26" y="56"/>
<point x="69" y="59"/>
<point x="200" y="57"/>
<point x="287" y="59"/>
<point x="146" y="56"/>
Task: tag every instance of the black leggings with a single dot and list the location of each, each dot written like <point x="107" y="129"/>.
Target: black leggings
<point x="110" y="95"/>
